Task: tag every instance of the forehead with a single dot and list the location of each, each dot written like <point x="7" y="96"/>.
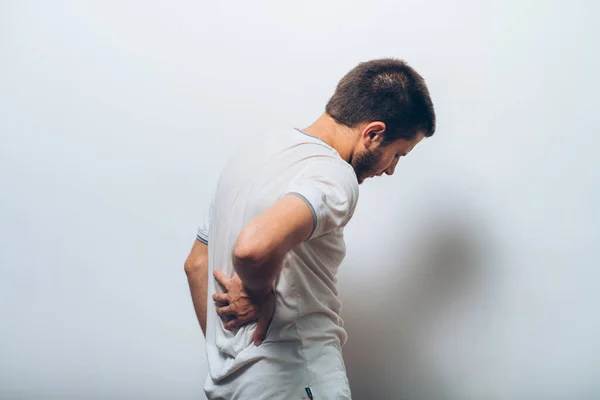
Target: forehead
<point x="405" y="146"/>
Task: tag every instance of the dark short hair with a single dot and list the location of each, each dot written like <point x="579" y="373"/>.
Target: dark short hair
<point x="386" y="90"/>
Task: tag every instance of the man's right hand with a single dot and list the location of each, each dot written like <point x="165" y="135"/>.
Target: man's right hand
<point x="238" y="307"/>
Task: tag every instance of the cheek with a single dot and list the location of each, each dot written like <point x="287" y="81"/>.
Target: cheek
<point x="385" y="163"/>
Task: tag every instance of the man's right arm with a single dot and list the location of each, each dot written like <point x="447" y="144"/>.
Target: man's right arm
<point x="263" y="243"/>
<point x="196" y="269"/>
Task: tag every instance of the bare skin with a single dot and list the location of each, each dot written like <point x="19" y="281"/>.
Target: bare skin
<point x="248" y="295"/>
<point x="196" y="269"/>
<point x="257" y="258"/>
<point x="236" y="307"/>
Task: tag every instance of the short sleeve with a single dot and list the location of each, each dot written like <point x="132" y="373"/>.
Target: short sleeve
<point x="204" y="228"/>
<point x="330" y="189"/>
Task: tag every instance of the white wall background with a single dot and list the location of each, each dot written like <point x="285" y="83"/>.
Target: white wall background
<point x="471" y="274"/>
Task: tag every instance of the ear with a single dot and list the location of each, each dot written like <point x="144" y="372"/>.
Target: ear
<point x="372" y="134"/>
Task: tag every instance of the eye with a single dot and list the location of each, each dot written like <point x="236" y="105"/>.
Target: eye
<point x="397" y="156"/>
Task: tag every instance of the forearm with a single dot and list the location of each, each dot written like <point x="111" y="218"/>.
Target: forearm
<point x="196" y="269"/>
<point x="257" y="275"/>
<point x="263" y="243"/>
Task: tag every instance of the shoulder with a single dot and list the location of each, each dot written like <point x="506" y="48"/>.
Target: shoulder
<point x="333" y="178"/>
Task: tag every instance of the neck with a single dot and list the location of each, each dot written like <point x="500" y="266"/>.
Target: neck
<point x="342" y="138"/>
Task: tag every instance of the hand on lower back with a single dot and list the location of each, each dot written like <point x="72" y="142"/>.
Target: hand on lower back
<point x="237" y="307"/>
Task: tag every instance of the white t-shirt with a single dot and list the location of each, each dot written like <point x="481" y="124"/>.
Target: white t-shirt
<point x="301" y="355"/>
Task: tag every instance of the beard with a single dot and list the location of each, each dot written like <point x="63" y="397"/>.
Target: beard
<point x="364" y="163"/>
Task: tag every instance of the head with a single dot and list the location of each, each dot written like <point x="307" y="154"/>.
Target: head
<point x="387" y="104"/>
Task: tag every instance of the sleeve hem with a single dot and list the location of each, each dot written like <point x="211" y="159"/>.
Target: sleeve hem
<point x="202" y="239"/>
<point x="312" y="210"/>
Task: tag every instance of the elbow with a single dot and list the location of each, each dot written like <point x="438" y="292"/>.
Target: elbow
<point x="246" y="254"/>
<point x="197" y="261"/>
<point x="255" y="259"/>
<point x="248" y="251"/>
<point x="193" y="266"/>
<point x="190" y="268"/>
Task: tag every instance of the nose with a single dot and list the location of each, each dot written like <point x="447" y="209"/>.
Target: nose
<point x="390" y="170"/>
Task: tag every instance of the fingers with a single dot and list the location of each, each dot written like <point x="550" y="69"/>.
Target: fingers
<point x="261" y="330"/>
<point x="226" y="311"/>
<point x="229" y="318"/>
<point x="221" y="278"/>
<point x="264" y="320"/>
<point x="232" y="325"/>
<point x="221" y="298"/>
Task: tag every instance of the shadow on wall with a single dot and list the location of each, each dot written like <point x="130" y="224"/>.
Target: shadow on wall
<point x="386" y="354"/>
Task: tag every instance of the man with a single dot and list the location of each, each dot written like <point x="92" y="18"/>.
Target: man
<point x="276" y="238"/>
